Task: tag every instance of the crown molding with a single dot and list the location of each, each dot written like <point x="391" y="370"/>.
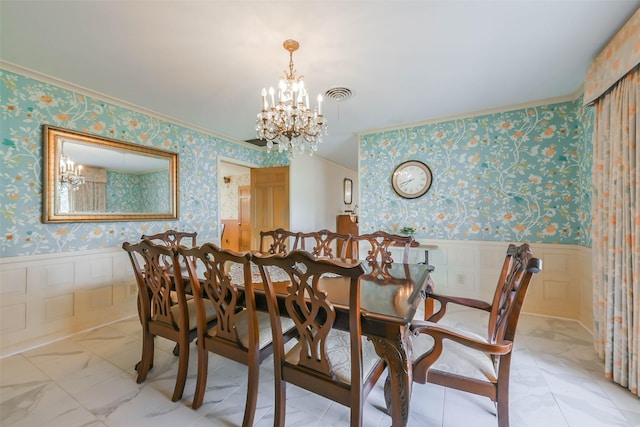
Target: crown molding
<point x="537" y="103"/>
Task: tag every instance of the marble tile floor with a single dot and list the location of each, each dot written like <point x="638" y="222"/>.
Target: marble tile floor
<point x="89" y="380"/>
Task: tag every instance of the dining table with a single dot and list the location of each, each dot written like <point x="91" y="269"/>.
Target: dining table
<point x="390" y="298"/>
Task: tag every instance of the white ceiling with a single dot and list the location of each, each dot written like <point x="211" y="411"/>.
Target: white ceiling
<point x="205" y="62"/>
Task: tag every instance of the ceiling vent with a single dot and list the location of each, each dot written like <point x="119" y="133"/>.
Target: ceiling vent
<point x="258" y="142"/>
<point x="338" y="94"/>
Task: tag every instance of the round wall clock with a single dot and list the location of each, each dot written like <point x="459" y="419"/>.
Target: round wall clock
<point x="411" y="179"/>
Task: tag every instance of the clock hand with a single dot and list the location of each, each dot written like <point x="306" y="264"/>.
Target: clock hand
<point x="406" y="182"/>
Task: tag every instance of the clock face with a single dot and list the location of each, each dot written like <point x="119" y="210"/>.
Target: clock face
<point x="411" y="179"/>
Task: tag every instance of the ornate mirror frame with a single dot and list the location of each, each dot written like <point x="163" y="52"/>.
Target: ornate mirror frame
<point x="99" y="148"/>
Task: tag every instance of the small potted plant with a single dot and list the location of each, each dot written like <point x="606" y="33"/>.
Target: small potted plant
<point x="408" y="230"/>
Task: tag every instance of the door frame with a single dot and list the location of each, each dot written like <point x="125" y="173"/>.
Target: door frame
<point x="220" y="160"/>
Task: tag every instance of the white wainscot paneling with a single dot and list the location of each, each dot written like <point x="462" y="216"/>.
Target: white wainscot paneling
<point x="48" y="297"/>
<point x="471" y="269"/>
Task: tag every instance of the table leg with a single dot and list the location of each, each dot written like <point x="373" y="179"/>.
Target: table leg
<point x="396" y="351"/>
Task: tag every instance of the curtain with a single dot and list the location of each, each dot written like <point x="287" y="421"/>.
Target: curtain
<point x="616" y="231"/>
<point x="92" y="195"/>
<point x="613" y="85"/>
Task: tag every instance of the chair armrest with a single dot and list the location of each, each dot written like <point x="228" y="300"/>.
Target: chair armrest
<point x="465" y="302"/>
<point x="440" y="333"/>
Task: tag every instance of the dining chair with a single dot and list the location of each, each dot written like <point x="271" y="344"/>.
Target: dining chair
<point x="324" y="243"/>
<point x="163" y="307"/>
<point x="457" y="358"/>
<point x="378" y="246"/>
<point x="340" y="365"/>
<point x="171" y="238"/>
<point x="278" y="241"/>
<point x="241" y="333"/>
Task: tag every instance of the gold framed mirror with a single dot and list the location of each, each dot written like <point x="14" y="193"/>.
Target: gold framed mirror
<point x="88" y="178"/>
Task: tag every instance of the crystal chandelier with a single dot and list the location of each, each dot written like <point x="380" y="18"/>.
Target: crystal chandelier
<point x="70" y="175"/>
<point x="287" y="119"/>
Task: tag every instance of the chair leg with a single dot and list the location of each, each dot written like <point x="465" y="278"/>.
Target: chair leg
<point x="145" y="364"/>
<point x="502" y="403"/>
<point x="183" y="366"/>
<point x="201" y="381"/>
<point x="252" y="394"/>
<point x="280" y="402"/>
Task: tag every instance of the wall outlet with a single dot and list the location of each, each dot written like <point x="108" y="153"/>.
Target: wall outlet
<point x="460" y="279"/>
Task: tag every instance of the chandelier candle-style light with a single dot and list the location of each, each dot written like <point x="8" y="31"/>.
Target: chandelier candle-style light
<point x="70" y="175"/>
<point x="287" y="119"/>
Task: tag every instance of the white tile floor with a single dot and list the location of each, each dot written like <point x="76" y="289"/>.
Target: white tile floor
<point x="89" y="380"/>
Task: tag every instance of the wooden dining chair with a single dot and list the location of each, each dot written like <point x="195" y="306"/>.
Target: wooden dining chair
<point x="325" y="244"/>
<point x="163" y="308"/>
<point x="340" y="365"/>
<point x="172" y="238"/>
<point x="378" y="246"/>
<point x="457" y="358"/>
<point x="241" y="333"/>
<point x="278" y="241"/>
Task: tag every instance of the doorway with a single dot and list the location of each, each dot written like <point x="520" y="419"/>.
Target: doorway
<point x="251" y="200"/>
<point x="234" y="206"/>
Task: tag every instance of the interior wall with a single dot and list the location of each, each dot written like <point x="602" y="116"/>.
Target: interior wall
<point x="316" y="189"/>
<point x="229" y="195"/>
<point x="48" y="297"/>
<point x="517" y="175"/>
<point x="30" y="103"/>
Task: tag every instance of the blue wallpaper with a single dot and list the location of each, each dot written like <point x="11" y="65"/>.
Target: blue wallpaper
<point x="127" y="192"/>
<point x="27" y="104"/>
<point x="510" y="176"/>
<point x="521" y="175"/>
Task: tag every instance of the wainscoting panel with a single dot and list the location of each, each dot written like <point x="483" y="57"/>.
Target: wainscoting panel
<point x="471" y="269"/>
<point x="586" y="287"/>
<point x="48" y="297"/>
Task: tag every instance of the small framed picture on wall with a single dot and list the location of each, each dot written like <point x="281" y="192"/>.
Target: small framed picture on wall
<point x="347" y="191"/>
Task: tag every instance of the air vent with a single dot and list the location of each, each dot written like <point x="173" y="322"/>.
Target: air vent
<point x="338" y="94"/>
<point x="258" y="142"/>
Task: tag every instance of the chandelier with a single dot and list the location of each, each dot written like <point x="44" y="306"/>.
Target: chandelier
<point x="70" y="176"/>
<point x="287" y="120"/>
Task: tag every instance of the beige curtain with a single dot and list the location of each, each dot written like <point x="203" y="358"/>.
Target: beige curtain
<point x="92" y="195"/>
<point x="616" y="208"/>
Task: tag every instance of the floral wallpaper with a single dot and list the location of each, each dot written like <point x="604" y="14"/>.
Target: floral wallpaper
<point x="229" y="196"/>
<point x="510" y="176"/>
<point x="26" y="104"/>
<point x="127" y="192"/>
<point x="521" y="175"/>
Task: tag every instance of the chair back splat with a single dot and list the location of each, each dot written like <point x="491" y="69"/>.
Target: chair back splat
<point x="460" y="359"/>
<point x="338" y="364"/>
<point x="279" y="241"/>
<point x="324" y="243"/>
<point x="378" y="246"/>
<point x="171" y="238"/>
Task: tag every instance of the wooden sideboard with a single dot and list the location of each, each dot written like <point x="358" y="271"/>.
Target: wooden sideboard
<point x="347" y="224"/>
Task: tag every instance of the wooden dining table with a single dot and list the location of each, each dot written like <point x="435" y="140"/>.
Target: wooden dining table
<point x="390" y="296"/>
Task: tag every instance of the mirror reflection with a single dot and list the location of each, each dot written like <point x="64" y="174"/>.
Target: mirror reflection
<point x="91" y="178"/>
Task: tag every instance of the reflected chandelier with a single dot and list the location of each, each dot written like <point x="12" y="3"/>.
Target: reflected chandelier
<point x="70" y="176"/>
<point x="289" y="122"/>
